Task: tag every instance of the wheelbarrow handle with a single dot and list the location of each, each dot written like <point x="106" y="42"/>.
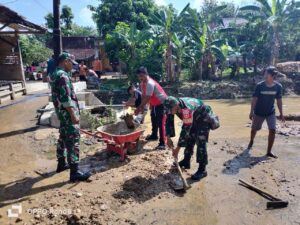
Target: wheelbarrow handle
<point x="90" y="133"/>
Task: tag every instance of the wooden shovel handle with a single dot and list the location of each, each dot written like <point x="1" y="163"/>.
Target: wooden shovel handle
<point x="256" y="189"/>
<point x="185" y="184"/>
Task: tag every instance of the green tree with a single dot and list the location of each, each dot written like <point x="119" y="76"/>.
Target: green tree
<point x="109" y="12"/>
<point x="49" y="21"/>
<point x="168" y="23"/>
<point x="33" y="50"/>
<point x="278" y="14"/>
<point x="130" y="39"/>
<point x="67" y="17"/>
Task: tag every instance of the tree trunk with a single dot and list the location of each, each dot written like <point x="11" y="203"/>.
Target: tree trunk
<point x="200" y="70"/>
<point x="245" y="64"/>
<point x="275" y="45"/>
<point x="237" y="67"/>
<point x="169" y="63"/>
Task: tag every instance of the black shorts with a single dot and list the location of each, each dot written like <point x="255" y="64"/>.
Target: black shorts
<point x="82" y="78"/>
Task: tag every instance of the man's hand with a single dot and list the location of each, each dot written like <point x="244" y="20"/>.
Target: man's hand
<point x="281" y="117"/>
<point x="251" y="115"/>
<point x="137" y="111"/>
<point x="170" y="143"/>
<point x="75" y="119"/>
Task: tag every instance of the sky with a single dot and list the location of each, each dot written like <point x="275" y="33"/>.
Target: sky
<point x="35" y="10"/>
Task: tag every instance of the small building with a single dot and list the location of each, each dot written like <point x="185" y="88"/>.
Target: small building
<point x="85" y="48"/>
<point x="12" y="78"/>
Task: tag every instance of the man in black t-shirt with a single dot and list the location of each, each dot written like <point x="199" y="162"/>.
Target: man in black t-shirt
<point x="262" y="107"/>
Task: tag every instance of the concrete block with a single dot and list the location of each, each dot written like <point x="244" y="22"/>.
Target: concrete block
<point x="79" y="86"/>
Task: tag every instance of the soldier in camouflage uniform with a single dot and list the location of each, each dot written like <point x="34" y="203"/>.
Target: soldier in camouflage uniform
<point x="198" y="119"/>
<point x="67" y="110"/>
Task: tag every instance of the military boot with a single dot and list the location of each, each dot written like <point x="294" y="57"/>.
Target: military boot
<point x="201" y="173"/>
<point x="62" y="165"/>
<point x="77" y="175"/>
<point x="185" y="163"/>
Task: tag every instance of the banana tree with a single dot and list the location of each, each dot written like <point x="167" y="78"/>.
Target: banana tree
<point x="130" y="39"/>
<point x="278" y="13"/>
<point x="168" y="23"/>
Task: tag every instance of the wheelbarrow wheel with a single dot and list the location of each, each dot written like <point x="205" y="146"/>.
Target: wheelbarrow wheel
<point x="133" y="148"/>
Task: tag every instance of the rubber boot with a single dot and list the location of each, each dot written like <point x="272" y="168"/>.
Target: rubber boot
<point x="201" y="173"/>
<point x="62" y="165"/>
<point x="77" y="175"/>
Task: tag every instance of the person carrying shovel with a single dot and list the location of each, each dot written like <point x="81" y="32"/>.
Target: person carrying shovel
<point x="198" y="119"/>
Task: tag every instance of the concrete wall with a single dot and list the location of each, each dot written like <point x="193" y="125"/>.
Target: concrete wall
<point x="10" y="70"/>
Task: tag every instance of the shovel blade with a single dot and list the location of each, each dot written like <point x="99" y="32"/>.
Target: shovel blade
<point x="277" y="204"/>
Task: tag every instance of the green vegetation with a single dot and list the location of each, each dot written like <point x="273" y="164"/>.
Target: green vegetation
<point x="216" y="40"/>
<point x="33" y="50"/>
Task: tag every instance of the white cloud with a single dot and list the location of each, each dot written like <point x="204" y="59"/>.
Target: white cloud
<point x="85" y="16"/>
<point x="196" y="4"/>
<point x="161" y="2"/>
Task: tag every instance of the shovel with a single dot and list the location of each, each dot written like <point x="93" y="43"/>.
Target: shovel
<point x="274" y="203"/>
<point x="185" y="186"/>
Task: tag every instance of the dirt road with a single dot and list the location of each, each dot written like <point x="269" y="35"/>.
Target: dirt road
<point x="137" y="191"/>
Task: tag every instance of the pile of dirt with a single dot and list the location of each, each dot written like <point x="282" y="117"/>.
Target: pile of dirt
<point x="289" y="67"/>
<point x="239" y="87"/>
<point x="120" y="128"/>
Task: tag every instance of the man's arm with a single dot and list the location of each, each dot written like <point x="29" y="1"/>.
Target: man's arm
<point x="254" y="101"/>
<point x="65" y="98"/>
<point x="130" y="102"/>
<point x="279" y="105"/>
<point x="253" y="105"/>
<point x="145" y="101"/>
<point x="279" y="102"/>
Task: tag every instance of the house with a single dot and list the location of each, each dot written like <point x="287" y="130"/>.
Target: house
<point x="12" y="78"/>
<point x="85" y="48"/>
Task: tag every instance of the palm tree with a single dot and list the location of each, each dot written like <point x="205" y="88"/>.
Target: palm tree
<point x="278" y="13"/>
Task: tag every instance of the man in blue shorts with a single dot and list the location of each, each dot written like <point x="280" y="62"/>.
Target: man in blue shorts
<point x="262" y="107"/>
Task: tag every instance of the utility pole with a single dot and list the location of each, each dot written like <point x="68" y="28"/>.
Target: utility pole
<point x="57" y="43"/>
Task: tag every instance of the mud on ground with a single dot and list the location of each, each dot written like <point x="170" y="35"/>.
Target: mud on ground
<point x="137" y="191"/>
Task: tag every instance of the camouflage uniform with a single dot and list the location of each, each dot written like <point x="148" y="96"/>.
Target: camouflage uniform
<point x="195" y="129"/>
<point x="63" y="96"/>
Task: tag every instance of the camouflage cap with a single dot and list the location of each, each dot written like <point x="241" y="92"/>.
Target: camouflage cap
<point x="66" y="55"/>
<point x="170" y="102"/>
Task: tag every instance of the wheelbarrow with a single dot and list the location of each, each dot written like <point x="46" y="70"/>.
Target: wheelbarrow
<point x="118" y="143"/>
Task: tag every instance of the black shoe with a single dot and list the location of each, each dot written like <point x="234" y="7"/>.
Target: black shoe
<point x="76" y="175"/>
<point x="151" y="138"/>
<point x="201" y="173"/>
<point x="161" y="147"/>
<point x="80" y="176"/>
<point x="62" y="165"/>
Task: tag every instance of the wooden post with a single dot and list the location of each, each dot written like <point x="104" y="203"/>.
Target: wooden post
<point x="21" y="67"/>
<point x="57" y="43"/>
<point x="12" y="94"/>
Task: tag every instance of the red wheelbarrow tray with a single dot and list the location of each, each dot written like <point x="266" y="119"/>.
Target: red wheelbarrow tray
<point x="120" y="138"/>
